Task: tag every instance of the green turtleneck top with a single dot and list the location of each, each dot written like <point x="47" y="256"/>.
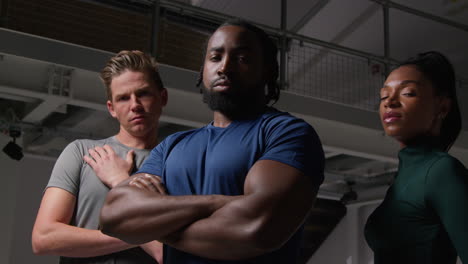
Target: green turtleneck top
<point x="424" y="216"/>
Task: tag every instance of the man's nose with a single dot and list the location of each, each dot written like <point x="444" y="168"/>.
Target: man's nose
<point x="226" y="66"/>
<point x="135" y="103"/>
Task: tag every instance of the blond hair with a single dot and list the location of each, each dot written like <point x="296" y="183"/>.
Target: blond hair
<point x="133" y="60"/>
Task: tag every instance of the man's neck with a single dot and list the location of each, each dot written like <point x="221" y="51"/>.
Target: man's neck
<point x="148" y="141"/>
<point x="221" y="120"/>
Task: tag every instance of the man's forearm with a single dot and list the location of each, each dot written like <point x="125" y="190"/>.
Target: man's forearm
<point x="65" y="240"/>
<point x="275" y="203"/>
<point x="235" y="231"/>
<point x="138" y="216"/>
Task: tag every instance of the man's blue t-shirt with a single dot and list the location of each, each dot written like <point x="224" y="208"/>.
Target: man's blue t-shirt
<point x="214" y="160"/>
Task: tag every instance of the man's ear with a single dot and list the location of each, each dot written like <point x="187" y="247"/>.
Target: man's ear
<point x="164" y="97"/>
<point x="110" y="108"/>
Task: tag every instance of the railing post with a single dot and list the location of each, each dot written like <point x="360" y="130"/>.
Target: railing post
<point x="386" y="24"/>
<point x="155" y="28"/>
<point x="3" y="13"/>
<point x="283" y="44"/>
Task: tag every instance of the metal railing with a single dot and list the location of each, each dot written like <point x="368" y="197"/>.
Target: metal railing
<point x="334" y="76"/>
<point x="176" y="34"/>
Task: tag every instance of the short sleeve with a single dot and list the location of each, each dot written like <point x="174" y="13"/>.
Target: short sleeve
<point x="154" y="163"/>
<point x="294" y="142"/>
<point x="67" y="169"/>
<point x="447" y="194"/>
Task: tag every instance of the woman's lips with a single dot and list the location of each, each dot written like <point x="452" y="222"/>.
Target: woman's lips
<point x="391" y="117"/>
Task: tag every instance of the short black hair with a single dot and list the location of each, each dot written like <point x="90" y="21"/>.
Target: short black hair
<point x="270" y="54"/>
<point x="439" y="71"/>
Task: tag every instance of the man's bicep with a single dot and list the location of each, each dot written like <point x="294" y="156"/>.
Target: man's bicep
<point x="282" y="193"/>
<point x="57" y="205"/>
<point x="275" y="177"/>
<point x="67" y="169"/>
<point x="295" y="143"/>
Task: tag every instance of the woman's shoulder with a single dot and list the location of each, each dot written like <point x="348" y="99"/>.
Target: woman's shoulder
<point x="444" y="168"/>
<point x="441" y="159"/>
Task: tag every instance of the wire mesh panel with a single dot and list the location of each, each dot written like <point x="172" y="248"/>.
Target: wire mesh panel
<point x="333" y="76"/>
<point x="85" y="23"/>
<point x="182" y="40"/>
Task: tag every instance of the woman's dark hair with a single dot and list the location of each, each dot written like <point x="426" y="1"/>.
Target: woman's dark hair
<point x="270" y="53"/>
<point x="439" y="71"/>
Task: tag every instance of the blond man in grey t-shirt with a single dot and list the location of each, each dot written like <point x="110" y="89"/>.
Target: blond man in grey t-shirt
<point x="68" y="218"/>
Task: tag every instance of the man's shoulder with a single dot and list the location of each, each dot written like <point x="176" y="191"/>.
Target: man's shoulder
<point x="83" y="145"/>
<point x="182" y="134"/>
<point x="275" y="117"/>
<point x="275" y="114"/>
<point x="85" y="142"/>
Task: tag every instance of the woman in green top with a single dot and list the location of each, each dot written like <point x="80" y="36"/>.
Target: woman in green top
<point x="424" y="216"/>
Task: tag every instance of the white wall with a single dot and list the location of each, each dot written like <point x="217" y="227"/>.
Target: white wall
<point x="346" y="244"/>
<point x="20" y="195"/>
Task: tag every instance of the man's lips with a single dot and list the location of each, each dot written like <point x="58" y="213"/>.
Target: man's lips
<point x="137" y="118"/>
<point x="391" y="117"/>
<point x="221" y="84"/>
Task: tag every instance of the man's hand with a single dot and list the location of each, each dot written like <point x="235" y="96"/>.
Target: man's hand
<point x="148" y="182"/>
<point x="108" y="166"/>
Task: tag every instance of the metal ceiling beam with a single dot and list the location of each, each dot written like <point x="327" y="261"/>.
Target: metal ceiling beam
<point x="356" y="23"/>
<point x="17" y="98"/>
<point x="170" y="115"/>
<point x="309" y="15"/>
<point x="329" y="155"/>
<point x="340" y="37"/>
<point x="349" y="152"/>
<point x="44" y="109"/>
<point x="422" y="14"/>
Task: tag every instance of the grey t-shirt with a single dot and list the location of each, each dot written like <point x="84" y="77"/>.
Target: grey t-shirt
<point x="73" y="174"/>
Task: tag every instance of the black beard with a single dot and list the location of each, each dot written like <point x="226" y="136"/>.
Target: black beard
<point x="235" y="106"/>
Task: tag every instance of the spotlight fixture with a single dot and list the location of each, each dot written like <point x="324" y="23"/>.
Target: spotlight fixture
<point x="350" y="195"/>
<point x="12" y="149"/>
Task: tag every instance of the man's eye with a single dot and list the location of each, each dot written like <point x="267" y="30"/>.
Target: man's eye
<point x="383" y="98"/>
<point x="215" y="58"/>
<point x="144" y="93"/>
